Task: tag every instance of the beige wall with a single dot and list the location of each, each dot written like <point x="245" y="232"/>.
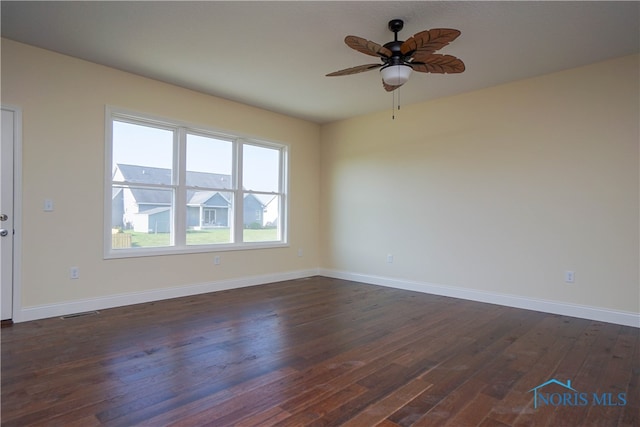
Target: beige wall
<point x="500" y="190"/>
<point x="63" y="105"/>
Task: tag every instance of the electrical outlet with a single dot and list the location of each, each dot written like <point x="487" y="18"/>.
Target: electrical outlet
<point x="389" y="258"/>
<point x="48" y="205"/>
<point x="74" y="273"/>
<point x="216" y="260"/>
<point x="569" y="277"/>
<point x="300" y="252"/>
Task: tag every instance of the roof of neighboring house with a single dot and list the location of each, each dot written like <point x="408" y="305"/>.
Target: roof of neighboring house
<point x="151" y="197"/>
<point x="154" y="211"/>
<point x="263" y="199"/>
<point x="207" y="198"/>
<point x="162" y="176"/>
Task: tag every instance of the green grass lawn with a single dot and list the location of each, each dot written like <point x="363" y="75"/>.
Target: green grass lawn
<point x="201" y="237"/>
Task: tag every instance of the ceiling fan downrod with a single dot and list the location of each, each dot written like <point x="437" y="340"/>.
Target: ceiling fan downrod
<point x="395" y="25"/>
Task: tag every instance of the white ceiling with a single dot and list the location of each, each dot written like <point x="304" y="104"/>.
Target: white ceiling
<point x="275" y="55"/>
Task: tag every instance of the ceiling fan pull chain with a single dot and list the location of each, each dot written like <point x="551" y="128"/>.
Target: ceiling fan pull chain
<point x="393" y="105"/>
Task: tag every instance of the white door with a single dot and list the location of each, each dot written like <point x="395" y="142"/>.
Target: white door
<point x="6" y="212"/>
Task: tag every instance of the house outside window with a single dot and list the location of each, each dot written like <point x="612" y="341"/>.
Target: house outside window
<point x="175" y="188"/>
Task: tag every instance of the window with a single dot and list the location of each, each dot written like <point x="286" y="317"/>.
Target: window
<point x="173" y="188"/>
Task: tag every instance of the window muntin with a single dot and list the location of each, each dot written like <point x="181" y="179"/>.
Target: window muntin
<point x="177" y="189"/>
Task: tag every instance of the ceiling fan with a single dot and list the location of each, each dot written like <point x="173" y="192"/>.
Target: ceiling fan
<point x="399" y="58"/>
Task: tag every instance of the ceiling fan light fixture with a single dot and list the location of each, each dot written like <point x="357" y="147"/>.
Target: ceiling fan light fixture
<point x="396" y="75"/>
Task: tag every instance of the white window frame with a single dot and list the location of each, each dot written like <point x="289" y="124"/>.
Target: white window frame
<point x="179" y="188"/>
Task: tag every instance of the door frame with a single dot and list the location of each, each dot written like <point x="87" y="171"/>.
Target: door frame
<point x="16" y="314"/>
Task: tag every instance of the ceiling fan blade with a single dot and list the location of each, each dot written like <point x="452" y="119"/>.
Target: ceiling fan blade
<point x="390" y="88"/>
<point x="367" y="47"/>
<point x="436" y="63"/>
<point x="429" y="41"/>
<point x="355" y="70"/>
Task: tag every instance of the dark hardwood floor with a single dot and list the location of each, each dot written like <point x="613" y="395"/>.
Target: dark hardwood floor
<point x="319" y="352"/>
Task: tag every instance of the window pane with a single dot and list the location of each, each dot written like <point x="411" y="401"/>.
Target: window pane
<point x="261" y="168"/>
<point x="209" y="217"/>
<point x="140" y="217"/>
<point x="142" y="154"/>
<point x="261" y="218"/>
<point x="209" y="162"/>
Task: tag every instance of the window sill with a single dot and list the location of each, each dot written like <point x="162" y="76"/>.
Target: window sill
<point x="162" y="251"/>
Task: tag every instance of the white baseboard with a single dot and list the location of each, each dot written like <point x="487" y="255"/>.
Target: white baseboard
<point x="119" y="300"/>
<point x="554" y="307"/>
<point x="102" y="303"/>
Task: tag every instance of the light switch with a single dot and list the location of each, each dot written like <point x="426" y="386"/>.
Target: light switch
<point x="48" y="205"/>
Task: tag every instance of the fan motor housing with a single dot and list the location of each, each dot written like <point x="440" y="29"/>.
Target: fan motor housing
<point x="396" y="54"/>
